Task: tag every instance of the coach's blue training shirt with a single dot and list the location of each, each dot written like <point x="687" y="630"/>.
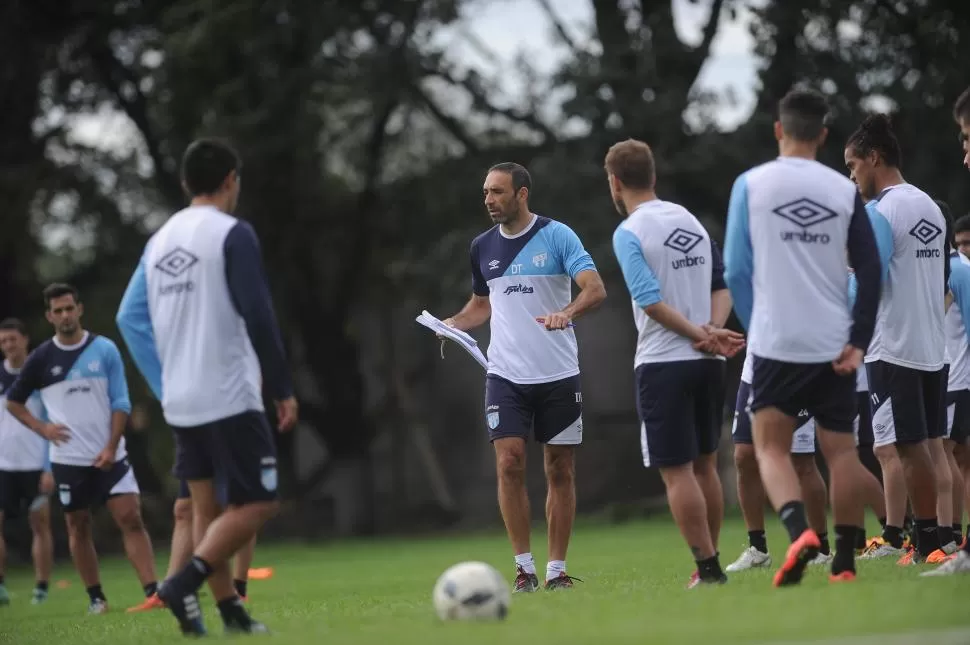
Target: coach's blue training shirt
<point x="909" y="327"/>
<point x="20" y="447"/>
<point x="80" y="387"/>
<point x="526" y="276"/>
<point x="667" y="256"/>
<point x="789" y="224"/>
<point x="198" y="319"/>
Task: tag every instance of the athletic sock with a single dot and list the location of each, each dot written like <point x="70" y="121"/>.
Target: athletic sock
<point x="95" y="593"/>
<point x="944" y="534"/>
<point x="893" y="536"/>
<point x="825" y="549"/>
<point x="1" y="578"/>
<point x="845" y="541"/>
<point x="793" y="517"/>
<point x="882" y="522"/>
<point x="526" y="562"/>
<point x="926" y="536"/>
<point x="150" y="589"/>
<point x="233" y="613"/>
<point x="957" y="533"/>
<point x="758" y="540"/>
<point x="709" y="570"/>
<point x="240" y="586"/>
<point x="554" y="568"/>
<point x="968" y="533"/>
<point x="42" y="585"/>
<point x="860" y="539"/>
<point x="191" y="577"/>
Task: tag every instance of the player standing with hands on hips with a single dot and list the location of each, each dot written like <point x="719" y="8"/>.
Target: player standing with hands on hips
<point x="198" y="319"/>
<point x="522" y="273"/>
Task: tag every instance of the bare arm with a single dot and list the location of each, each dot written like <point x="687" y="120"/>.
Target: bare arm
<point x="119" y="421"/>
<point x="475" y="313"/>
<point x="675" y="321"/>
<point x="592" y="292"/>
<point x="22" y="414"/>
<point x="720" y="307"/>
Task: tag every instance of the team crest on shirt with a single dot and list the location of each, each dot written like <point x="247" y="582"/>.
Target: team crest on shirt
<point x="539" y="260"/>
<point x="94" y="366"/>
<point x="267" y="474"/>
<point x="492" y="420"/>
<point x="56" y="370"/>
<point x="64" y="493"/>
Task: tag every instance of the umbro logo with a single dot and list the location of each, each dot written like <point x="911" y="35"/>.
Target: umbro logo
<point x="804" y="212"/>
<point x="925" y="231"/>
<point x="683" y="241"/>
<point x="56" y="370"/>
<point x="493" y="265"/>
<point x="176" y="262"/>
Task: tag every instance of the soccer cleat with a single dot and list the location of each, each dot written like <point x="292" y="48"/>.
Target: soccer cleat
<point x="958" y="564"/>
<point x="185" y="608"/>
<point x="822" y="558"/>
<point x="39" y="597"/>
<point x="261" y="573"/>
<point x="562" y="581"/>
<point x="98" y="607"/>
<point x="696" y="580"/>
<point x="845" y="576"/>
<point x="878" y="548"/>
<point x="254" y="627"/>
<point x="152" y="602"/>
<point x="750" y="558"/>
<point x="911" y="557"/>
<point x="525" y="582"/>
<point x="800" y="553"/>
<point x="942" y="554"/>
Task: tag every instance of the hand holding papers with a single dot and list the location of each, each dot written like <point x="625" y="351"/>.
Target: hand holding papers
<point x="463" y="340"/>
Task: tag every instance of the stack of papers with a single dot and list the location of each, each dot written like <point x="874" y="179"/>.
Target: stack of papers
<point x="463" y="340"/>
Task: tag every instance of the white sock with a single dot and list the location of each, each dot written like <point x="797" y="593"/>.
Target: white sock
<point x="526" y="562"/>
<point x="554" y="568"/>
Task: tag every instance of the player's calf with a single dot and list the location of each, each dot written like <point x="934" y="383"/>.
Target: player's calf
<point x="690" y="512"/>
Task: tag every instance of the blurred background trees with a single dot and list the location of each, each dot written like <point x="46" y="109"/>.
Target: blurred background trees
<point x="364" y="141"/>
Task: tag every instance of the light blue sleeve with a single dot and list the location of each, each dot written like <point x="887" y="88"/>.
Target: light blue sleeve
<point x="738" y="254"/>
<point x="640" y="279"/>
<point x="572" y="255"/>
<point x="135" y="323"/>
<point x="117" y="383"/>
<point x="960" y="287"/>
<point x="883" y="231"/>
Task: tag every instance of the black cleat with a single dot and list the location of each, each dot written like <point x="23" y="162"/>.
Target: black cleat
<point x="562" y="581"/>
<point x="525" y="582"/>
<point x="185" y="607"/>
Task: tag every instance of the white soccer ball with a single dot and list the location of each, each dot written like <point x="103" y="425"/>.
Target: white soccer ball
<point x="471" y="591"/>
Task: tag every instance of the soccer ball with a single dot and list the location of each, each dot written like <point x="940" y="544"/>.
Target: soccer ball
<point x="471" y="591"/>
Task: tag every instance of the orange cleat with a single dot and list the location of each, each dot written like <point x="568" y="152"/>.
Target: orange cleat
<point x="845" y="576"/>
<point x="262" y="573"/>
<point x="800" y="553"/>
<point x="152" y="602"/>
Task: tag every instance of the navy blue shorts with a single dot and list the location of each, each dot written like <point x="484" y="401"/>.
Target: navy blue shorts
<point x="680" y="405"/>
<point x="814" y="388"/>
<point x="958" y="416"/>
<point x="864" y="435"/>
<point x="908" y="405"/>
<point x="81" y="487"/>
<point x="237" y="453"/>
<point x="551" y="412"/>
<point x="803" y="442"/>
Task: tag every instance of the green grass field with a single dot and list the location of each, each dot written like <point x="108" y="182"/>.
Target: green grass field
<point x="633" y="592"/>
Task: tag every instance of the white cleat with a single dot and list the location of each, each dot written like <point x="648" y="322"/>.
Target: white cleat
<point x="822" y="558"/>
<point x="959" y="564"/>
<point x="98" y="607"/>
<point x="751" y="558"/>
<point x="878" y="548"/>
